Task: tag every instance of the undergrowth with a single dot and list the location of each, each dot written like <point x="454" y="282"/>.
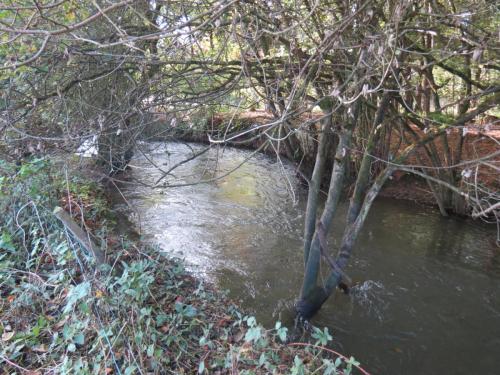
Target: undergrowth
<point x="141" y="313"/>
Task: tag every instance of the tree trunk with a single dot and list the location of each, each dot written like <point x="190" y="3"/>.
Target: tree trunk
<point x="315" y="184"/>
<point x="312" y="296"/>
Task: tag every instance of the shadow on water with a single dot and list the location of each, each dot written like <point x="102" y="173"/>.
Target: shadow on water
<point x="427" y="299"/>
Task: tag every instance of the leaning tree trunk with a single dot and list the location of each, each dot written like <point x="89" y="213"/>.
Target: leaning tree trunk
<point x="315" y="184"/>
<point x="312" y="296"/>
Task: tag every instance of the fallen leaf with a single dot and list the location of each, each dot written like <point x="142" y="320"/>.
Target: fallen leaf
<point x="62" y="322"/>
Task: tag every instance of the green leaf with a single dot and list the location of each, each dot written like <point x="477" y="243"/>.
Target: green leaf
<point x="330" y="367"/>
<point x="253" y="334"/>
<point x="322" y="337"/>
<point x="185" y="310"/>
<point x="6" y="242"/>
<point x="338" y="362"/>
<point x="298" y="366"/>
<point x="262" y="359"/>
<point x="161" y="318"/>
<point x="282" y="333"/>
<point x="79" y="339"/>
<point x="78" y="292"/>
<point x="251" y="321"/>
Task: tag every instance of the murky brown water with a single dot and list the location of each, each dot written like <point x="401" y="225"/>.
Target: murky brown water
<point x="428" y="298"/>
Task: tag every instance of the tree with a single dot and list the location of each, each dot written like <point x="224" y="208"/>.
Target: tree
<point x="76" y="72"/>
<point x="359" y="61"/>
<point x="374" y="70"/>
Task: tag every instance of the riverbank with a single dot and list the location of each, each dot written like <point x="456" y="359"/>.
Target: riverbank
<point x="140" y="311"/>
<point x="478" y="141"/>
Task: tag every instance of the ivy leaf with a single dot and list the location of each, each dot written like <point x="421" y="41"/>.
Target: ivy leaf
<point x="282" y="333"/>
<point x="322" y="337"/>
<point x="251" y="321"/>
<point x="262" y="359"/>
<point x="298" y="366"/>
<point x="185" y="310"/>
<point x="77" y="293"/>
<point x="330" y="367"/>
<point x="253" y="334"/>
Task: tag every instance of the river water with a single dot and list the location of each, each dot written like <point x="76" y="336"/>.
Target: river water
<point x="427" y="294"/>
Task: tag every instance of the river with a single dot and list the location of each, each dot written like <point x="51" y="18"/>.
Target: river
<point x="427" y="294"/>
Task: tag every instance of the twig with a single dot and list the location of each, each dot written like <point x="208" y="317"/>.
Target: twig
<point x="15" y="365"/>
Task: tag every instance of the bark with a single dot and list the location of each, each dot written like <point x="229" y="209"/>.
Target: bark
<point x="312" y="296"/>
<point x="314" y="186"/>
<point x="363" y="178"/>
<point x="116" y="149"/>
<point x="309" y="304"/>
<point x="352" y="232"/>
<point x="361" y="200"/>
<point x="336" y="184"/>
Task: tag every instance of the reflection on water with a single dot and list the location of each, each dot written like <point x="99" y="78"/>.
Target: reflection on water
<point x="427" y="299"/>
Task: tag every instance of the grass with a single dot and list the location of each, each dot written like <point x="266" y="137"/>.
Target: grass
<point x="141" y="313"/>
